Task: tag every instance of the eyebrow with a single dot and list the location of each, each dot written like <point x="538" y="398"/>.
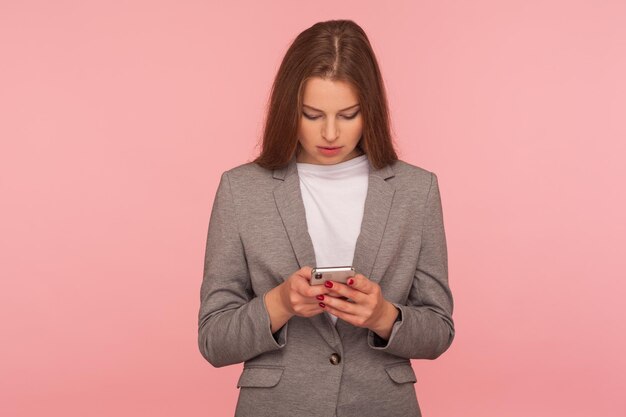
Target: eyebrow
<point x="321" y="111"/>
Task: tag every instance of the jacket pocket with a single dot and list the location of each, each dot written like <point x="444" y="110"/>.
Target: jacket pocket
<point x="260" y="376"/>
<point x="401" y="373"/>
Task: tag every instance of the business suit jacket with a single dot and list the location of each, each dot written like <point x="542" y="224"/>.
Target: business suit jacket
<point x="258" y="237"/>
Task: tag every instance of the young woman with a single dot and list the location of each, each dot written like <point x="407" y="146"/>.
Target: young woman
<point x="326" y="190"/>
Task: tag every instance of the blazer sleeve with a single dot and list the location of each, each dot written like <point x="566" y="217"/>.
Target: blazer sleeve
<point x="233" y="324"/>
<point x="425" y="329"/>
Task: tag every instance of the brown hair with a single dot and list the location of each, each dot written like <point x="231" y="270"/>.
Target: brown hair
<point x="338" y="50"/>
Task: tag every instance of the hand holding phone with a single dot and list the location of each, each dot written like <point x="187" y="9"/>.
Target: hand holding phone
<point x="333" y="273"/>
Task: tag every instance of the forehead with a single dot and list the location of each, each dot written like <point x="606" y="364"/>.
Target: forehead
<point x="328" y="95"/>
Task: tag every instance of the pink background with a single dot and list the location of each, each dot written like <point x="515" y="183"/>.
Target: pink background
<point x="117" y="119"/>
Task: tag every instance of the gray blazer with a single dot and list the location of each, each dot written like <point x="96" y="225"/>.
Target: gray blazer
<point x="258" y="237"/>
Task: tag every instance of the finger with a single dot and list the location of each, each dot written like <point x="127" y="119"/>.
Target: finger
<point x="308" y="301"/>
<point x="310" y="310"/>
<point x="362" y="283"/>
<point x="342" y="305"/>
<point x="347" y="317"/>
<point x="313" y="302"/>
<point x="342" y="290"/>
<point x="307" y="290"/>
<point x="305" y="272"/>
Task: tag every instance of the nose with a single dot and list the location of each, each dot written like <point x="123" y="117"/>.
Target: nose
<point x="330" y="132"/>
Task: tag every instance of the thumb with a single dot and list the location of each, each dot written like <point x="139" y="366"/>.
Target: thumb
<point x="305" y="272"/>
<point x="359" y="282"/>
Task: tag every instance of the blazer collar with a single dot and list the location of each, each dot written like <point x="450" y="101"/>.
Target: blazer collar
<point x="291" y="169"/>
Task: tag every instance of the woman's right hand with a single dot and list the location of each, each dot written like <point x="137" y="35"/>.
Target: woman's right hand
<point x="294" y="297"/>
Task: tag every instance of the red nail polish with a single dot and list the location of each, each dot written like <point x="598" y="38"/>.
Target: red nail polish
<point x="319" y="297"/>
<point x="350" y="281"/>
<point x="328" y="284"/>
<point x="322" y="305"/>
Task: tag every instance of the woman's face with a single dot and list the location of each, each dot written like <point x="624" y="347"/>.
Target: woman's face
<point x="330" y="124"/>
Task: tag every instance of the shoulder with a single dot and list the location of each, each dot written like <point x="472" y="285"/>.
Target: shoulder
<point x="404" y="168"/>
<point x="248" y="178"/>
<point x="247" y="171"/>
<point x="248" y="168"/>
<point x="406" y="174"/>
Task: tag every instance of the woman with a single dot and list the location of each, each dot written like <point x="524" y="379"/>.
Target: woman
<point x="326" y="190"/>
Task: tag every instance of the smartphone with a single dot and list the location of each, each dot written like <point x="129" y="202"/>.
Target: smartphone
<point x="332" y="273"/>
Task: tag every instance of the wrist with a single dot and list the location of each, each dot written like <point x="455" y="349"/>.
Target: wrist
<point x="386" y="322"/>
<point x="277" y="297"/>
<point x="278" y="315"/>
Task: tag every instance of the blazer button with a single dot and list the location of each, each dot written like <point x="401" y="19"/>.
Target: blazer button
<point x="335" y="358"/>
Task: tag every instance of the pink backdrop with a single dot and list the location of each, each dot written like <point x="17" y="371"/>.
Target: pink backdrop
<point x="117" y="118"/>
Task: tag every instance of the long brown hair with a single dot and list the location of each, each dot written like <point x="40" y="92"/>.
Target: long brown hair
<point x="338" y="50"/>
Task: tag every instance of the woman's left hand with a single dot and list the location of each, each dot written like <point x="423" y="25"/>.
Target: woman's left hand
<point x="367" y="308"/>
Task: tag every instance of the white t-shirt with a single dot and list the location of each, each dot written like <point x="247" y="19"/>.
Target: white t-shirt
<point x="334" y="199"/>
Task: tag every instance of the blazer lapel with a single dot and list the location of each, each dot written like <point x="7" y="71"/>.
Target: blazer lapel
<point x="291" y="209"/>
<point x="378" y="201"/>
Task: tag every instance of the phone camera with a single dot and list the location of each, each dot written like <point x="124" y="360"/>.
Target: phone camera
<point x="318" y="275"/>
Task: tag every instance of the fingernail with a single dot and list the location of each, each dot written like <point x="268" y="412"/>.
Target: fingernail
<point x="350" y="281"/>
<point x="328" y="284"/>
<point x="319" y="297"/>
<point x="322" y="305"/>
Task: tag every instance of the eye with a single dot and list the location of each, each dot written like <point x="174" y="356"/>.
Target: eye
<point x="310" y="117"/>
<point x="351" y="116"/>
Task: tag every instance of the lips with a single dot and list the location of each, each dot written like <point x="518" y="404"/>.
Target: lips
<point x="329" y="151"/>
